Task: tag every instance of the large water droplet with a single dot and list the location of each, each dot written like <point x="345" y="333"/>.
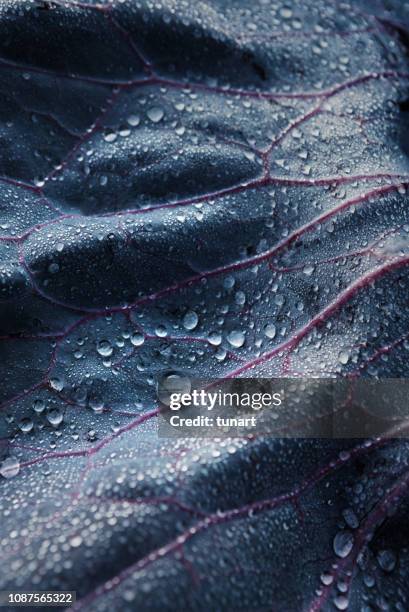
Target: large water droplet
<point x="343" y="543"/>
<point x="190" y="320"/>
<point x="26" y="425"/>
<point x="155" y="114"/>
<point x="161" y="331"/>
<point x="386" y="560"/>
<point x="97" y="405"/>
<point x="343" y="357"/>
<point x="236" y="338"/>
<point x="215" y="338"/>
<point x="341" y="602"/>
<point x="137" y="339"/>
<point x="9" y="467"/>
<point x="308" y="269"/>
<point x="55" y="417"/>
<point x="270" y="330"/>
<point x="57" y="383"/>
<point x="350" y="518"/>
<point x="133" y="120"/>
<point x="104" y="348"/>
<point x="327" y="578"/>
<point x="170" y="383"/>
<point x="38" y="406"/>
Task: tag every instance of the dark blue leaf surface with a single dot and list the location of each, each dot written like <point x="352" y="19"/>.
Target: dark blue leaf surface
<point x="219" y="188"/>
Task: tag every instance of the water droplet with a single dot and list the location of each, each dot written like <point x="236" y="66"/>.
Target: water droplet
<point x="229" y="282"/>
<point x="221" y="354"/>
<point x="97" y="405"/>
<point x="53" y="268"/>
<point x="161" y="331"/>
<point x="240" y="298"/>
<point x="327" y="578"/>
<point x="343" y="357"/>
<point x="386" y="560"/>
<point x="350" y="518"/>
<point x="57" y="383"/>
<point x="341" y="602"/>
<point x="137" y="339"/>
<point x="214" y="338"/>
<point x="38" y="406"/>
<point x="308" y="269"/>
<point x="270" y="330"/>
<point x="133" y="120"/>
<point x="155" y="114"/>
<point x="286" y="12"/>
<point x="190" y="320"/>
<point x="9" y="467"/>
<point x="344" y="455"/>
<point x="76" y="541"/>
<point x="55" y="417"/>
<point x="110" y="136"/>
<point x="129" y="595"/>
<point x="104" y="348"/>
<point x="172" y="382"/>
<point x="236" y="338"/>
<point x="26" y="425"/>
<point x="343" y="543"/>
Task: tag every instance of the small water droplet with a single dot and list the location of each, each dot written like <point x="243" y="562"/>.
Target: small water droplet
<point x="76" y="541"/>
<point x="286" y="12"/>
<point x="97" y="405"/>
<point x="53" y="268"/>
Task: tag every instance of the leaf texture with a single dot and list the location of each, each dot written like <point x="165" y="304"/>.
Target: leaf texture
<point x="218" y="188"/>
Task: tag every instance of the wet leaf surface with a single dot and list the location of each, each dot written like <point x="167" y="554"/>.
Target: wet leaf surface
<point x="218" y="188"/>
